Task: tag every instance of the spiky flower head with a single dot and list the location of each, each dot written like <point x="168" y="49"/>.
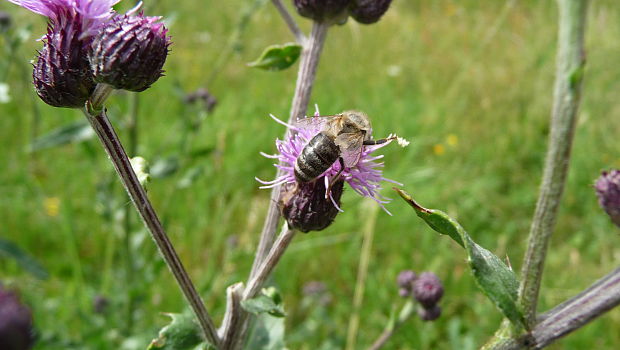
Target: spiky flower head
<point x="61" y="75"/>
<point x="130" y="52"/>
<point x="364" y="177"/>
<point x="16" y="332"/>
<point x="608" y="191"/>
<point x="368" y="11"/>
<point x="427" y="289"/>
<point x="322" y="10"/>
<point x="305" y="207"/>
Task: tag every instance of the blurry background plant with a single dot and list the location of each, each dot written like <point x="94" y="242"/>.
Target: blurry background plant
<point x="432" y="76"/>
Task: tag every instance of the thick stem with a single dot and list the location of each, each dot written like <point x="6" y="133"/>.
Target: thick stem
<point x="305" y="80"/>
<point x="236" y="320"/>
<point x="108" y="137"/>
<point x="567" y="92"/>
<point x="290" y="22"/>
<point x="569" y="316"/>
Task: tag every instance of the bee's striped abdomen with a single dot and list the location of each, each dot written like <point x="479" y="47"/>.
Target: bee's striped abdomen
<point x="318" y="155"/>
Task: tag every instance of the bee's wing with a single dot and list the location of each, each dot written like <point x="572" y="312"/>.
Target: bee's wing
<point x="316" y="122"/>
<point x="350" y="147"/>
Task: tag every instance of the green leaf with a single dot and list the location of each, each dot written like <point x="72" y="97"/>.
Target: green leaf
<point x="165" y="167"/>
<point x="23" y="259"/>
<point x="496" y="280"/>
<point x="268" y="334"/>
<point x="71" y="133"/>
<point x="267" y="302"/>
<point x="277" y="57"/>
<point x="181" y="334"/>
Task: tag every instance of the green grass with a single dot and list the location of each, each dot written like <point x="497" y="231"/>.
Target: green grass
<point x="464" y="72"/>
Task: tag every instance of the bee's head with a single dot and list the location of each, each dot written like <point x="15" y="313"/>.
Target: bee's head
<point x="357" y="121"/>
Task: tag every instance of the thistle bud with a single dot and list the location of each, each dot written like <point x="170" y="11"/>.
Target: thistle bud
<point x="429" y="314"/>
<point x="608" y="191"/>
<point x="5" y="21"/>
<point x="321" y="10"/>
<point x="427" y="289"/>
<point x="305" y="207"/>
<point x="368" y="11"/>
<point x="16" y="332"/>
<point x="61" y="75"/>
<point x="130" y="52"/>
<point x="405" y="281"/>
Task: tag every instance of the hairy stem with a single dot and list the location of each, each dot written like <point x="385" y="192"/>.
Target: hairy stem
<point x="236" y="319"/>
<point x="569" y="316"/>
<point x="95" y="113"/>
<point x="305" y="80"/>
<point x="290" y="22"/>
<point x="567" y="92"/>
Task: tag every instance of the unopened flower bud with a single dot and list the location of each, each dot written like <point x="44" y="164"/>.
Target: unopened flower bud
<point x="16" y="332"/>
<point x="368" y="11"/>
<point x="321" y="10"/>
<point x="305" y="207"/>
<point x="608" y="191"/>
<point x="405" y="282"/>
<point x="130" y="52"/>
<point x="427" y="289"/>
<point x="5" y="21"/>
<point x="429" y="314"/>
<point x="61" y="75"/>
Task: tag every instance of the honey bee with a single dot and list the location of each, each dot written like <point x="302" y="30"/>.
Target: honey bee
<point x="341" y="138"/>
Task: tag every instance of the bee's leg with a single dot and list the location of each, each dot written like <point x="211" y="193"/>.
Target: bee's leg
<point x="335" y="178"/>
<point x="379" y="141"/>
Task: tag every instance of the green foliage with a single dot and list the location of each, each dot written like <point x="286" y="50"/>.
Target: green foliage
<point x="23" y="259"/>
<point x="496" y="280"/>
<point x="277" y="57"/>
<point x="72" y="133"/>
<point x="183" y="333"/>
<point x="269" y="302"/>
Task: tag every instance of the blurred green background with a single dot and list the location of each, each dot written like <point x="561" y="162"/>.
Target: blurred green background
<point x="468" y="82"/>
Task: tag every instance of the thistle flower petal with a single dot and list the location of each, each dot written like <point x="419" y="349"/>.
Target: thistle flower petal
<point x="364" y="178"/>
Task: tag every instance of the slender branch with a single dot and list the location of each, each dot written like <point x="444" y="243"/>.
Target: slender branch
<point x="305" y="80"/>
<point x="567" y="92"/>
<point x="236" y="323"/>
<point x="112" y="144"/>
<point x="405" y="314"/>
<point x="290" y="22"/>
<point x="569" y="316"/>
<point x="272" y="259"/>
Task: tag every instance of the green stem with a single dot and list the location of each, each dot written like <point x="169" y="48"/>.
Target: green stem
<point x="405" y="314"/>
<point x="567" y="92"/>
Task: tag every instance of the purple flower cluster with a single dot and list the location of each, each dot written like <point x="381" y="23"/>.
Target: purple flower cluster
<point x="129" y="52"/>
<point x="425" y="288"/>
<point x="16" y="328"/>
<point x="363" y="11"/>
<point x="365" y="177"/>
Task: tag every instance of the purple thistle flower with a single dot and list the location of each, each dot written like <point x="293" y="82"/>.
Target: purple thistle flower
<point x="364" y="177"/>
<point x="90" y="13"/>
<point x="608" y="191"/>
<point x="405" y="281"/>
<point x="427" y="289"/>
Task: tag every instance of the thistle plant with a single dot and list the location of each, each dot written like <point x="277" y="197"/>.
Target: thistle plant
<point x="90" y="50"/>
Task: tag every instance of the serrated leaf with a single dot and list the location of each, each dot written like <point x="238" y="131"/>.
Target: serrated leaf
<point x="277" y="57"/>
<point x="23" y="259"/>
<point x="263" y="304"/>
<point x="70" y="133"/>
<point x="182" y="333"/>
<point x="496" y="280"/>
